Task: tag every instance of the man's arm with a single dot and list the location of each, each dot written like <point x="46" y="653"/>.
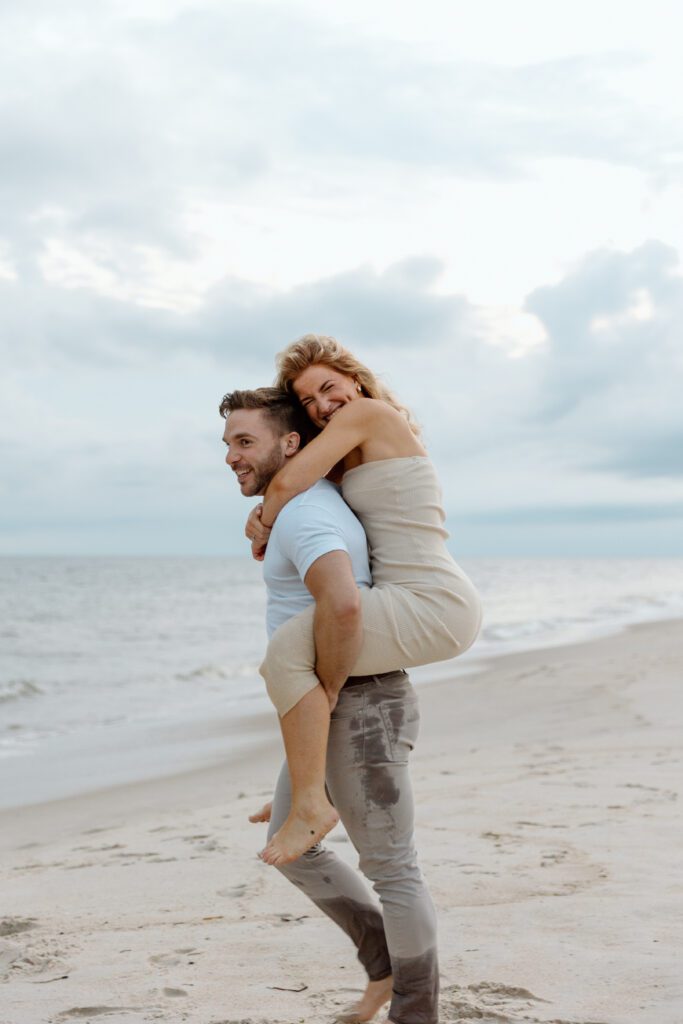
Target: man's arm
<point x="337" y="625"/>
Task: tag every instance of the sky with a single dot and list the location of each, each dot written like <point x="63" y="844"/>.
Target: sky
<point x="483" y="201"/>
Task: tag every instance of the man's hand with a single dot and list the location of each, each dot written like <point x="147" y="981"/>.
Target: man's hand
<point x="337" y="624"/>
<point x="257" y="533"/>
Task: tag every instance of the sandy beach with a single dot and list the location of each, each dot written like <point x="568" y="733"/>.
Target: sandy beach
<point x="549" y="830"/>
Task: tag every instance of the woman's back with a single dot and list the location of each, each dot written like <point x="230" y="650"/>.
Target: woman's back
<point x="399" y="503"/>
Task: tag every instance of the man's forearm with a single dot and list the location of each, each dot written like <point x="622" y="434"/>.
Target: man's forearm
<point x="338" y="638"/>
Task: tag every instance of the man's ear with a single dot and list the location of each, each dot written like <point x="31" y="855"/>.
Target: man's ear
<point x="292" y="443"/>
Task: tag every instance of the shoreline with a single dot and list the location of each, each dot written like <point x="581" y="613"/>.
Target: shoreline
<point x="265" y="746"/>
<point x="547" y="824"/>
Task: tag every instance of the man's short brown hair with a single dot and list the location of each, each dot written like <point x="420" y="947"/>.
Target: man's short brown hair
<point x="277" y="404"/>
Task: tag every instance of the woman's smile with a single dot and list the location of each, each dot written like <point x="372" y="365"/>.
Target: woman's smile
<point x="323" y="390"/>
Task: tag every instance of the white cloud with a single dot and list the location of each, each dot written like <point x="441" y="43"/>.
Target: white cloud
<point x="188" y="186"/>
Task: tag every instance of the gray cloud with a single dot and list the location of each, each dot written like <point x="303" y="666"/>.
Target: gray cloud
<point x="657" y="454"/>
<point x="577" y="514"/>
<point x="603" y="394"/>
<point x="612" y="371"/>
<point x="395" y="308"/>
<point x="119" y="419"/>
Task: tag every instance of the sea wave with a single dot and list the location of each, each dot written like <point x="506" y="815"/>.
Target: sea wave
<point x="239" y="670"/>
<point x="18" y="689"/>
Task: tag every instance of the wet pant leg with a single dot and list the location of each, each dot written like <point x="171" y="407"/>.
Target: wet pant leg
<point x="336" y="889"/>
<point x="373" y="730"/>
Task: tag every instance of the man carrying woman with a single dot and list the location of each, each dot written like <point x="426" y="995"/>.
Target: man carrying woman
<point x="420" y="608"/>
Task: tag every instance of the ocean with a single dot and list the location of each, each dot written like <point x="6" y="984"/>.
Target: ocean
<point x="118" y="669"/>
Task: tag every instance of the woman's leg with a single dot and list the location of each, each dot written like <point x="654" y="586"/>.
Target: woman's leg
<point x="342" y="895"/>
<point x="400" y="630"/>
<point x="311" y="815"/>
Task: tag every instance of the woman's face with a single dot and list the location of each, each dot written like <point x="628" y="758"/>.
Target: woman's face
<point x="322" y="390"/>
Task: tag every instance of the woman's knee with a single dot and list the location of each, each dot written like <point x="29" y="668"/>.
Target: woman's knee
<point x="474" y="618"/>
<point x="468" y="623"/>
<point x="291" y="648"/>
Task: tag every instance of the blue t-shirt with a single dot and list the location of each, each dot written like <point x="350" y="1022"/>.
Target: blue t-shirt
<point x="310" y="525"/>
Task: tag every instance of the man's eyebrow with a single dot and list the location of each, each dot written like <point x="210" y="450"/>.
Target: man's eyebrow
<point x="240" y="435"/>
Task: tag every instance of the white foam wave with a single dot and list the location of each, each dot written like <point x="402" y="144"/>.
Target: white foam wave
<point x="18" y="689"/>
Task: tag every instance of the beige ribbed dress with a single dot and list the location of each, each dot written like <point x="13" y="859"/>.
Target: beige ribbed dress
<point x="421" y="608"/>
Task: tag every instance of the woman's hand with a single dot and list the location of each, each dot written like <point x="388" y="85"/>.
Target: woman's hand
<point x="257" y="533"/>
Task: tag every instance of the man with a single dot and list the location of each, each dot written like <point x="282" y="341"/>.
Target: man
<point x="317" y="552"/>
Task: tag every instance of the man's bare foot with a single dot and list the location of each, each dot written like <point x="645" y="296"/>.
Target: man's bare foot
<point x="304" y="827"/>
<point x="263" y="814"/>
<point x="376" y="995"/>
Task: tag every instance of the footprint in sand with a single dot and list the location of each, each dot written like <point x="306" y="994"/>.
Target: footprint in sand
<point x="10" y="952"/>
<point x="33" y="962"/>
<point x="99" y="849"/>
<point x="491" y="1003"/>
<point x="16" y="925"/>
<point x="129" y="855"/>
<point x="31" y="957"/>
<point x="236" y="892"/>
<point x="204" y="843"/>
<point x="95" y="1011"/>
<point x="178" y="956"/>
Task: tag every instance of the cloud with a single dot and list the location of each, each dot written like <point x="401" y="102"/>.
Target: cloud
<point x="116" y="128"/>
<point x="657" y="455"/>
<point x="115" y="423"/>
<point x="123" y="122"/>
<point x="577" y="514"/>
<point x="611" y="372"/>
<point x="396" y="308"/>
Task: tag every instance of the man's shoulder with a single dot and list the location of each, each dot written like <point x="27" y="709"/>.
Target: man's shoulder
<point x="323" y="494"/>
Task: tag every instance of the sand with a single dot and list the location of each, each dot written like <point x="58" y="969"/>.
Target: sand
<point x="548" y="827"/>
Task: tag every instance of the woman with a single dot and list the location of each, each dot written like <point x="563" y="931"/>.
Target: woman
<point x="422" y="608"/>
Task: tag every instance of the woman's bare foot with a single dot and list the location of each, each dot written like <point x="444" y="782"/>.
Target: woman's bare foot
<point x="263" y="814"/>
<point x="305" y="826"/>
<point x="376" y="995"/>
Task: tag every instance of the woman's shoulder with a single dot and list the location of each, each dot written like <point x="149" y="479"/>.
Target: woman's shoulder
<point x="369" y="410"/>
<point x="379" y="430"/>
<point x="363" y="406"/>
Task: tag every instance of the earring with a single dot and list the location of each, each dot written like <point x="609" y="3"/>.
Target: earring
<point x="358" y="388"/>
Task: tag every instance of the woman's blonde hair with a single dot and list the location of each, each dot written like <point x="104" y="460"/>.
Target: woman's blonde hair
<point x="321" y="349"/>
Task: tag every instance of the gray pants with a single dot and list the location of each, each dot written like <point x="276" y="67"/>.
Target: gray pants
<point x="373" y="730"/>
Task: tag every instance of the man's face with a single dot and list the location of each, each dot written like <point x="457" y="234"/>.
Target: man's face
<point x="255" y="452"/>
